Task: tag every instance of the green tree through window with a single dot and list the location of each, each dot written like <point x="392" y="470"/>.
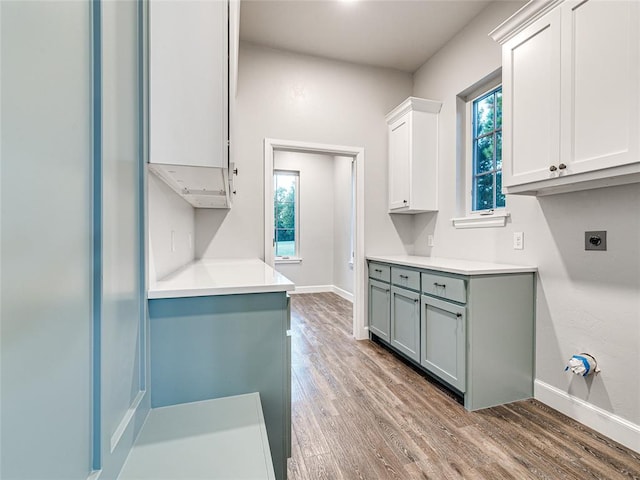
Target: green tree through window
<point x="487" y="151"/>
<point x="285" y="213"/>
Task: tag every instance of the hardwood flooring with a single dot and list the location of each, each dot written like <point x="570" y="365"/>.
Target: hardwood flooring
<point x="360" y="413"/>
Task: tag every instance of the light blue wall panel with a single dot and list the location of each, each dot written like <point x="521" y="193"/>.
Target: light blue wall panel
<point x="73" y="340"/>
<point x="211" y="347"/>
<point x="46" y="228"/>
<point x="123" y="405"/>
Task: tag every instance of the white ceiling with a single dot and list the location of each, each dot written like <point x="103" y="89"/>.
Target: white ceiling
<point x="399" y="34"/>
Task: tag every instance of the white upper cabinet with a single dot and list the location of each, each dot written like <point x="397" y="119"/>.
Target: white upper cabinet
<point x="571" y="93"/>
<point x="531" y="102"/>
<point x="188" y="83"/>
<point x="413" y="156"/>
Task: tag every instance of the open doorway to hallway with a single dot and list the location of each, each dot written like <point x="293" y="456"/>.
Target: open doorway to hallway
<point x="314" y="219"/>
<point x="313" y="228"/>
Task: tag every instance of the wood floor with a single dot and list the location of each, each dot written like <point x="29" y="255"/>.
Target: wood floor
<point x="360" y="413"/>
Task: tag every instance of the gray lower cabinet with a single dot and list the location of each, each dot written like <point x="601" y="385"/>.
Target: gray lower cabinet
<point x="473" y="332"/>
<point x="405" y="322"/>
<point x="442" y="346"/>
<point x="379" y="308"/>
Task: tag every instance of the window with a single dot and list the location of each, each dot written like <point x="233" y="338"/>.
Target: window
<point x="286" y="223"/>
<point x="486" y="192"/>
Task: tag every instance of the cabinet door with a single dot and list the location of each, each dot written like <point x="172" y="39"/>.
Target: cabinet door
<point x="443" y="341"/>
<point x="405" y="322"/>
<point x="399" y="162"/>
<point x="600" y="85"/>
<point x="531" y="102"/>
<point x="379" y="309"/>
<point x="188" y="83"/>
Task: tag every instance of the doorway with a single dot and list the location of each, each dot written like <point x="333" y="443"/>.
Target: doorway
<point x="271" y="146"/>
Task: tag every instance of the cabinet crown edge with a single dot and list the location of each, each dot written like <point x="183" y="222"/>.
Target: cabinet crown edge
<point x="522" y="18"/>
<point x="414" y="104"/>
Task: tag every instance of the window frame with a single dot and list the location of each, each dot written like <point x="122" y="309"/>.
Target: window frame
<point x="296" y="258"/>
<point x="477" y="94"/>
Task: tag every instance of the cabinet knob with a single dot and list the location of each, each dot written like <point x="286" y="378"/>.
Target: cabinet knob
<point x="458" y="315"/>
<point x="553" y="168"/>
<point x="562" y="166"/>
<point x="404" y="201"/>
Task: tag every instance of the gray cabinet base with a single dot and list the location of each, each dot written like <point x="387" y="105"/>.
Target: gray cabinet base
<point x="218" y="346"/>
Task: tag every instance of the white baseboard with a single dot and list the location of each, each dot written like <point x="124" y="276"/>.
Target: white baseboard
<point x="323" y="289"/>
<point x="608" y="424"/>
<point x="343" y="293"/>
<point x="313" y="289"/>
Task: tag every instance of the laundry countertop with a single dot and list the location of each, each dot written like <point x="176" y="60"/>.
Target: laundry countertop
<point x="220" y="277"/>
<point x="453" y="265"/>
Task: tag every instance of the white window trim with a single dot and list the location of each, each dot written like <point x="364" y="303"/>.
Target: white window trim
<point x="496" y="217"/>
<point x="297" y="258"/>
<point x="287" y="260"/>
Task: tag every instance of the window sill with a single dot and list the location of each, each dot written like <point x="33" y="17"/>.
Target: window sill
<point x="288" y="260"/>
<point x="496" y="219"/>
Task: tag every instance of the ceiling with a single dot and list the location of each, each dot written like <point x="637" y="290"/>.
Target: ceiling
<point x="398" y="34"/>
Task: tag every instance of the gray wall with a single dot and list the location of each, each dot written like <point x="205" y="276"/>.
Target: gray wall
<point x="586" y="301"/>
<point x="343" y="272"/>
<point x="325" y="216"/>
<point x="296" y="97"/>
<point x="315" y="215"/>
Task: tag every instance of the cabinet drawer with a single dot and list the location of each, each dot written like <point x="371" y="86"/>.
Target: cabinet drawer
<point x="445" y="287"/>
<point x="405" y="278"/>
<point x="380" y="272"/>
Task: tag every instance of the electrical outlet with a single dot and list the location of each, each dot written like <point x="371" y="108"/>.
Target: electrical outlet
<point x="595" y="240"/>
<point x="429" y="240"/>
<point x="518" y="240"/>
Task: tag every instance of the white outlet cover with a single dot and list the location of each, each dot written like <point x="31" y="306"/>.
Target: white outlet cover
<point x="518" y="240"/>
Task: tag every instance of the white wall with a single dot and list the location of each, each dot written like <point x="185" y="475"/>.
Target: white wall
<point x="343" y="273"/>
<point x="296" y="97"/>
<point x="168" y="212"/>
<point x="586" y="301"/>
<point x="315" y="215"/>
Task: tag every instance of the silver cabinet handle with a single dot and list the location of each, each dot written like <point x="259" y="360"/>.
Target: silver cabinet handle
<point x="553" y="168"/>
<point x="562" y="166"/>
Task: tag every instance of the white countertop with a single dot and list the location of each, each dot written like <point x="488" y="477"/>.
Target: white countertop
<point x="453" y="265"/>
<point x="220" y="277"/>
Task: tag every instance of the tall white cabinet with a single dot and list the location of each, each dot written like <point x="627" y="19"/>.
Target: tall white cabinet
<point x="571" y="93"/>
<point x="413" y="156"/>
<point x="189" y="78"/>
<point x="188" y="83"/>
